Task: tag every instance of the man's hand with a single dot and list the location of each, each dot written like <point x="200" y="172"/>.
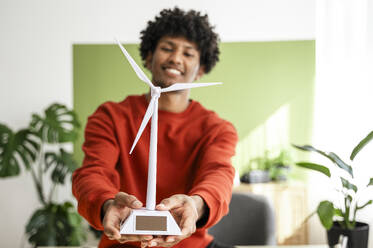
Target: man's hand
<point x="116" y="210"/>
<point x="186" y="210"/>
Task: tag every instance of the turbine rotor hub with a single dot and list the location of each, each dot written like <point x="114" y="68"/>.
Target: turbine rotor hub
<point x="156" y="92"/>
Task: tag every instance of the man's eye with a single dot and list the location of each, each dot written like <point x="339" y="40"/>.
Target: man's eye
<point x="188" y="54"/>
<point x="166" y="49"/>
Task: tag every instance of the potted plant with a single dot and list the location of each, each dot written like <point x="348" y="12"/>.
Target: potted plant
<point x="256" y="171"/>
<point x="39" y="149"/>
<point x="267" y="168"/>
<point x="279" y="166"/>
<point x="341" y="219"/>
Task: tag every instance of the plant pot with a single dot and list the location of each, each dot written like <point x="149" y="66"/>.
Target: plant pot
<point x="357" y="237"/>
<point x="256" y="176"/>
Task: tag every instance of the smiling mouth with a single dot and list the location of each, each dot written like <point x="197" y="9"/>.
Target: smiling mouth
<point x="173" y="71"/>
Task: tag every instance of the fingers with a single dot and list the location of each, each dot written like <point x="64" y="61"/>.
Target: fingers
<point x="162" y="241"/>
<point x="111" y="232"/>
<point x="112" y="219"/>
<point x="111" y="225"/>
<point x="118" y="210"/>
<point x="183" y="208"/>
<point x="125" y="200"/>
<point x="188" y="224"/>
<point x="135" y="238"/>
<point x="174" y="201"/>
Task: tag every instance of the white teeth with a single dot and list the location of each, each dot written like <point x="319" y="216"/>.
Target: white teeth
<point x="174" y="71"/>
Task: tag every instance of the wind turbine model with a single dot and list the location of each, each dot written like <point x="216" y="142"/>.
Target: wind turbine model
<point x="151" y="221"/>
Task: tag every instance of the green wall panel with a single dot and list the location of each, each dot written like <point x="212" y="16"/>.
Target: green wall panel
<point x="259" y="78"/>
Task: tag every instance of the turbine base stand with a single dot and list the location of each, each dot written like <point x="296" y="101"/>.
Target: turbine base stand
<point x="149" y="222"/>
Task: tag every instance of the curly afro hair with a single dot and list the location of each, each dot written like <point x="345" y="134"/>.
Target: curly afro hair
<point x="178" y="23"/>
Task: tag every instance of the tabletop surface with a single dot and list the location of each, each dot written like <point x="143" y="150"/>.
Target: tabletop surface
<point x="255" y="246"/>
<point x="284" y="246"/>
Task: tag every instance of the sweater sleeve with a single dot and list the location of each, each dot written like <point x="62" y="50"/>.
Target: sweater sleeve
<point x="97" y="180"/>
<point x="215" y="174"/>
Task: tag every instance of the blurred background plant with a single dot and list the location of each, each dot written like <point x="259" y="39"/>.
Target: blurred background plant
<point x="343" y="214"/>
<point x="40" y="149"/>
<point x="269" y="167"/>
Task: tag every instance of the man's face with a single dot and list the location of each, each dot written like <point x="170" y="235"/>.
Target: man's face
<point x="175" y="60"/>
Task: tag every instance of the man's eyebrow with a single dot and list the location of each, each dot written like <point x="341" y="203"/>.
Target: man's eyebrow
<point x="190" y="47"/>
<point x="173" y="44"/>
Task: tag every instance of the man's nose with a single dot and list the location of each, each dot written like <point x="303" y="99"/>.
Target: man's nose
<point x="175" y="57"/>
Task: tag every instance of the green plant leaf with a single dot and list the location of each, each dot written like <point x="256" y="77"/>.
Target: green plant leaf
<point x="338" y="212"/>
<point x="74" y="219"/>
<point x="58" y="125"/>
<point x="16" y="149"/>
<point x="370" y="182"/>
<point x="316" y="167"/>
<point x="331" y="156"/>
<point x="348" y="185"/>
<point x="37" y="220"/>
<point x="57" y="225"/>
<point x="53" y="224"/>
<point x="339" y="162"/>
<point x="62" y="163"/>
<point x="361" y="144"/>
<point x="310" y="148"/>
<point x="68" y="205"/>
<point x="326" y="213"/>
<point x="40" y="228"/>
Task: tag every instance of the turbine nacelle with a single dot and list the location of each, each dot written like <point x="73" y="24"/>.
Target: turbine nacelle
<point x="156" y="92"/>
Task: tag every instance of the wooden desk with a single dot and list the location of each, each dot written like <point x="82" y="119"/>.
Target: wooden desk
<point x="290" y="205"/>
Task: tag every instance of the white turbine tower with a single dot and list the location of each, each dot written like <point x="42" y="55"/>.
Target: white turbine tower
<point x="150" y="221"/>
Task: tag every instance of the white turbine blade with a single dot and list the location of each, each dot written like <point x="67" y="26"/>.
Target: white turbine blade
<point x="149" y="112"/>
<point x="183" y="86"/>
<point x="135" y="67"/>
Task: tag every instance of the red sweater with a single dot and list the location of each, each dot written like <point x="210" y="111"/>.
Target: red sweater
<point x="194" y="157"/>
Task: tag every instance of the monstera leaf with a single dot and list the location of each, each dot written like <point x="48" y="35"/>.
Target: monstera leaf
<point x="36" y="148"/>
<point x="55" y="225"/>
<point x="16" y="149"/>
<point x="58" y="125"/>
<point x="62" y="163"/>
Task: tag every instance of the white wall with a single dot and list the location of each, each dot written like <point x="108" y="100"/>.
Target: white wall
<point x="343" y="98"/>
<point x="36" y="38"/>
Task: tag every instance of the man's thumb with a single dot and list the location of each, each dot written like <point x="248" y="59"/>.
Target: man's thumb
<point x="125" y="200"/>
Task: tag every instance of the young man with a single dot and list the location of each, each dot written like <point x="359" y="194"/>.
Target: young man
<point x="195" y="146"/>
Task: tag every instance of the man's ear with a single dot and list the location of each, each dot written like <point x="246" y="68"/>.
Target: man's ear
<point x="148" y="61"/>
<point x="201" y="72"/>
